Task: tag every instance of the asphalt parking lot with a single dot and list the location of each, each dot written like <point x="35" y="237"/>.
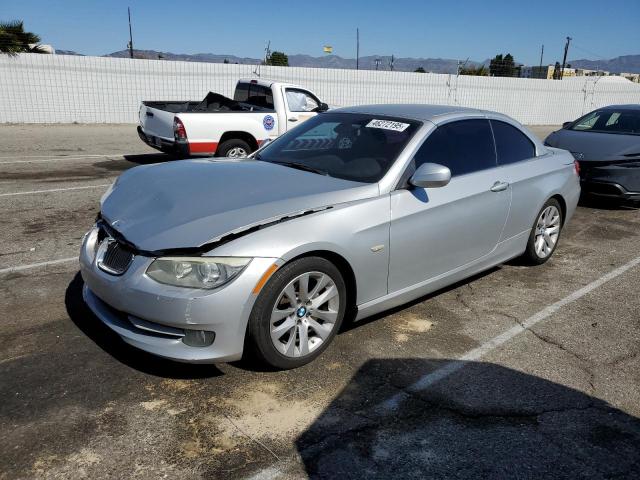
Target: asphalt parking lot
<point x="517" y="373"/>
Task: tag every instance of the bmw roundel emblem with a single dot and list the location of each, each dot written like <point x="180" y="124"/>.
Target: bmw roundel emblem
<point x="268" y="122"/>
<point x="301" y="312"/>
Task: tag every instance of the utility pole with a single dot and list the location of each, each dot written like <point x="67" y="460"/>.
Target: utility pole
<point x="391" y="63"/>
<point x="541" y="54"/>
<point x="267" y="52"/>
<point x="130" y="34"/>
<point x="564" y="59"/>
<point x="357" y="49"/>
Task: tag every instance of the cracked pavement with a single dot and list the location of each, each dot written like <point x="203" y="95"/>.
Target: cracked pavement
<point x="559" y="400"/>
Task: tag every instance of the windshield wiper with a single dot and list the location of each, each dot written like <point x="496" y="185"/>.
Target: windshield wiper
<point x="302" y="166"/>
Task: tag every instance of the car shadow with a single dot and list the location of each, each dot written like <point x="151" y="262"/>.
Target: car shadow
<point x="149" y="158"/>
<point x="477" y="420"/>
<point x="111" y="343"/>
<point x="351" y="323"/>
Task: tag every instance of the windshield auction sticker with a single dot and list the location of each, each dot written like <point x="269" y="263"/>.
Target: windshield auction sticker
<point x="388" y="125"/>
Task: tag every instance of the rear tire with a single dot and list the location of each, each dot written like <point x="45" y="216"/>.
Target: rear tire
<point x="297" y="313"/>
<point x="545" y="233"/>
<point x="234" y="148"/>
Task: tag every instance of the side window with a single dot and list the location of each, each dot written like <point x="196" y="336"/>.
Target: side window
<point x="465" y="146"/>
<point x="255" y="95"/>
<point x="300" y="101"/>
<point x="242" y="92"/>
<point x="511" y="144"/>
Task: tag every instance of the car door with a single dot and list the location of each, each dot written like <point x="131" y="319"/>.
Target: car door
<point x="527" y="174"/>
<point x="436" y="230"/>
<point x="301" y="105"/>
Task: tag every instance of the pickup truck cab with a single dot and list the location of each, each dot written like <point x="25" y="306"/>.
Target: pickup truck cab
<point x="260" y="110"/>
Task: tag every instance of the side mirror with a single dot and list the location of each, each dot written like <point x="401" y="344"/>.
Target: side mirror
<point x="323" y="107"/>
<point x="430" y="175"/>
<point x="566" y="124"/>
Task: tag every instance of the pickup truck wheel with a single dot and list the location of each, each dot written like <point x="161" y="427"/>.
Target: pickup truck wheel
<point x="233" y="148"/>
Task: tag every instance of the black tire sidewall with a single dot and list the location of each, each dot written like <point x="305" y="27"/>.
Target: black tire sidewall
<point x="227" y="145"/>
<point x="530" y="253"/>
<point x="258" y="330"/>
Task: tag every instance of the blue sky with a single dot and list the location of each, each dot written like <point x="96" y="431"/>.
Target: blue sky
<point x="407" y="28"/>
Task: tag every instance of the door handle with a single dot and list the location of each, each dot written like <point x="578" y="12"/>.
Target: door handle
<point x="499" y="186"/>
<point x="149" y="114"/>
<point x="293" y="119"/>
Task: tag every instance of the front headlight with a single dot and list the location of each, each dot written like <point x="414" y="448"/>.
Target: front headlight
<point x="196" y="272"/>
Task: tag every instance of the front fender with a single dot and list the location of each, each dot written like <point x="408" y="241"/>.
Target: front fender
<point x="358" y="232"/>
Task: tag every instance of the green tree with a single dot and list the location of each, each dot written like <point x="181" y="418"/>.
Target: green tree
<point x="502" y="66"/>
<point x="14" y="40"/>
<point x="420" y="70"/>
<point x="480" y="71"/>
<point x="278" y="59"/>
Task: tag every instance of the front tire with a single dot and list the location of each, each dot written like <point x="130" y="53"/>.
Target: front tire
<point x="297" y="313"/>
<point x="545" y="233"/>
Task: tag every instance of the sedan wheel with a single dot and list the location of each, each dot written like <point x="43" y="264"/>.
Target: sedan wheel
<point x="305" y="314"/>
<point x="545" y="233"/>
<point x="297" y="313"/>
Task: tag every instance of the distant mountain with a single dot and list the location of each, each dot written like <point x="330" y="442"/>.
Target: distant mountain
<point x="437" y="65"/>
<point x="626" y="63"/>
<point x="68" y="52"/>
<point x="196" y="57"/>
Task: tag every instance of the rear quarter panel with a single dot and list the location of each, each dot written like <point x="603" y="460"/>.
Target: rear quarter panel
<point x="534" y="181"/>
<point x="208" y="128"/>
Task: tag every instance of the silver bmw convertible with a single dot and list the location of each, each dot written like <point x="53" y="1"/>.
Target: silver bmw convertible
<point x="351" y="213"/>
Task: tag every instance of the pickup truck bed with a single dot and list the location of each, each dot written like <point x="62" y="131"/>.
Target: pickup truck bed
<point x="260" y="110"/>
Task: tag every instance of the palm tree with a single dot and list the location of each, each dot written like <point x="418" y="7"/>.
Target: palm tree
<point x="14" y="40"/>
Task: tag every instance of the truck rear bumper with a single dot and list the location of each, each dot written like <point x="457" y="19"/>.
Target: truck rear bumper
<point x="176" y="148"/>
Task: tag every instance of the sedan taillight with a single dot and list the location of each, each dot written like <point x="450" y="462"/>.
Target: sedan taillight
<point x="576" y="165"/>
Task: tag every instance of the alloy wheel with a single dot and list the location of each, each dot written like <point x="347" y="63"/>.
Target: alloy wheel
<point x="304" y="314"/>
<point x="547" y="231"/>
<point x="237" y="152"/>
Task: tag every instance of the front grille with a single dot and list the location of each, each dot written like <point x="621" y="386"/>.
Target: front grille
<point x="112" y="257"/>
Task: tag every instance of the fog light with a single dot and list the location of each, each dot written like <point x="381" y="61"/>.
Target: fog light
<point x="198" y="338"/>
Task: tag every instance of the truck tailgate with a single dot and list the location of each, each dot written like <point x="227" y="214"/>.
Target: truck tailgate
<point x="156" y="122"/>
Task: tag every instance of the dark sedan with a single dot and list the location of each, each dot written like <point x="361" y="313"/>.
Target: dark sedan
<point x="606" y="143"/>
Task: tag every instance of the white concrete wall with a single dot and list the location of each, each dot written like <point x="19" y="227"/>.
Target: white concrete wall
<point x="57" y="88"/>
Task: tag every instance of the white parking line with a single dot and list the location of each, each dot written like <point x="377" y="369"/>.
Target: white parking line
<point x="58" y="159"/>
<point x="52" y="190"/>
<point x="76" y="155"/>
<point x="19" y="268"/>
<point x="391" y="404"/>
<point x="443" y="372"/>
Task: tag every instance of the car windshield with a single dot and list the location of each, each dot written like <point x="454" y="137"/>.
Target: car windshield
<point x="351" y="146"/>
<point x="626" y="122"/>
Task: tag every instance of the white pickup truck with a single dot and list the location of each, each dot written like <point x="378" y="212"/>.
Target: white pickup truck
<point x="260" y="110"/>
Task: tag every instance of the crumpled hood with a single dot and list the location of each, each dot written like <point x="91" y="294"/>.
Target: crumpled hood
<point x="596" y="146"/>
<point x="189" y="203"/>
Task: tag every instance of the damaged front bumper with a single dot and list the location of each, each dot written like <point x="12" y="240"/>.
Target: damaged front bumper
<point x="163" y="319"/>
